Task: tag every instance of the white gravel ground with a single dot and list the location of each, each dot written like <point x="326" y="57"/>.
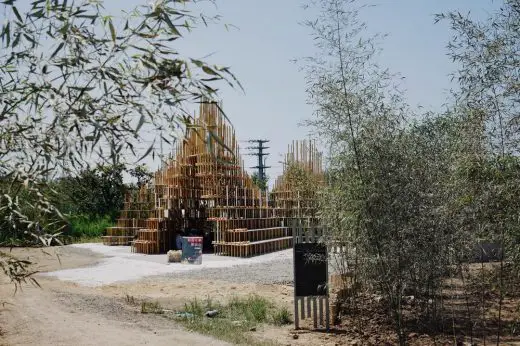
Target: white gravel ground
<point x="122" y="265"/>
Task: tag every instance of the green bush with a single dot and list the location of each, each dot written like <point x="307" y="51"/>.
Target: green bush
<point x="82" y="226"/>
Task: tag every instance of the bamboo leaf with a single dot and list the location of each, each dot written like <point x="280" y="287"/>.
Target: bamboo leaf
<point x="16" y="40"/>
<point x="60" y="46"/>
<point x="209" y="70"/>
<point x="140" y="124"/>
<point x="197" y="63"/>
<point x="147" y="151"/>
<point x="112" y="30"/>
<point x="170" y="24"/>
<point x="6" y="34"/>
<point x="17" y="14"/>
<point x="30" y="39"/>
<point x="219" y="140"/>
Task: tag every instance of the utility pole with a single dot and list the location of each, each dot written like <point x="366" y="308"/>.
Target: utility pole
<point x="259" y="152"/>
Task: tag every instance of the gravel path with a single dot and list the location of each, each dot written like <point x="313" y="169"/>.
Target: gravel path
<point x="279" y="271"/>
<point x="118" y="264"/>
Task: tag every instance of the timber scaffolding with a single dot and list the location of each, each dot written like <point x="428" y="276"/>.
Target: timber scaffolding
<point x="294" y="193"/>
<point x="204" y="186"/>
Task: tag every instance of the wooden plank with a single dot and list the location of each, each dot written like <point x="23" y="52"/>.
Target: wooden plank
<point x="296" y="315"/>
<point x="327" y="313"/>
<point x="315" y="313"/>
<point x="320" y="302"/>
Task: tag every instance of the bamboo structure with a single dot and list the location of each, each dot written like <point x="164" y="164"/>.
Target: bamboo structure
<point x="294" y="192"/>
<point x="204" y="186"/>
<point x="136" y="210"/>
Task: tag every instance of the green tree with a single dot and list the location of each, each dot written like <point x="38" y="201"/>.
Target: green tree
<point x="141" y="174"/>
<point x="386" y="174"/>
<point x="261" y="183"/>
<point x="488" y="55"/>
<point x="79" y="84"/>
<point x="93" y="192"/>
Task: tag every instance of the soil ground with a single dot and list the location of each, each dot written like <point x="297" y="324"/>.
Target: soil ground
<point x="70" y="313"/>
<point x="64" y="313"/>
<point x="67" y="313"/>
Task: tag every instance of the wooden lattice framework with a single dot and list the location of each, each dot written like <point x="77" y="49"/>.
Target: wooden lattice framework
<point x="204" y="186"/>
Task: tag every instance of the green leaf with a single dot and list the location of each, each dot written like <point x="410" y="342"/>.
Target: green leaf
<point x="64" y="29"/>
<point x="147" y="151"/>
<point x="81" y="88"/>
<point x="197" y="63"/>
<point x="6" y="34"/>
<point x="60" y="46"/>
<point x="112" y="30"/>
<point x="219" y="140"/>
<point x="170" y="24"/>
<point x="87" y="16"/>
<point x="140" y="124"/>
<point x="37" y="14"/>
<point x="17" y="14"/>
<point x="210" y="71"/>
<point x="30" y="39"/>
<point x="16" y="40"/>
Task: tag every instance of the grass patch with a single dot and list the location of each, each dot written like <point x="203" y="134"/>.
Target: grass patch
<point x="81" y="229"/>
<point x="130" y="299"/>
<point x="282" y="317"/>
<point x="12" y="242"/>
<point x="85" y="228"/>
<point x="235" y="320"/>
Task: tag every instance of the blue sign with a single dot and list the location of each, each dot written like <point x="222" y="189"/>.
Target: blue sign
<point x="191" y="250"/>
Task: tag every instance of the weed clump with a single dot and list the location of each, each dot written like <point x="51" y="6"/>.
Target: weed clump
<point x="235" y="320"/>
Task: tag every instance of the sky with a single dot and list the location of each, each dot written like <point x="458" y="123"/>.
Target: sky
<point x="269" y="36"/>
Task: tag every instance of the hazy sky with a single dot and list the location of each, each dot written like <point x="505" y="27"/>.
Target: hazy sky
<point x="269" y="36"/>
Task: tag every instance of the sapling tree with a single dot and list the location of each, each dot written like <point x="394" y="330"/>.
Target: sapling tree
<point x="385" y="175"/>
<point x="487" y="52"/>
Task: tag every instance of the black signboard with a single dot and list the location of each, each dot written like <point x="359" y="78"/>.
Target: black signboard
<point x="310" y="269"/>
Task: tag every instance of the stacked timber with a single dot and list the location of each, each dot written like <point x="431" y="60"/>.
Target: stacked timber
<point x="295" y="192"/>
<point x="204" y="186"/>
<point x="133" y="217"/>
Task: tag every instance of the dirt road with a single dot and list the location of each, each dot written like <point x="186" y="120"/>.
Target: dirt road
<point x="48" y="317"/>
<point x="66" y="314"/>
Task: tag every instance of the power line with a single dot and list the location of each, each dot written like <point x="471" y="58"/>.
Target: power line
<point x="259" y="152"/>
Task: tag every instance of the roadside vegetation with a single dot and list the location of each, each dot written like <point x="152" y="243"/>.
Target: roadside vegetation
<point x="421" y="200"/>
<point x="89" y="202"/>
<point x="234" y="321"/>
